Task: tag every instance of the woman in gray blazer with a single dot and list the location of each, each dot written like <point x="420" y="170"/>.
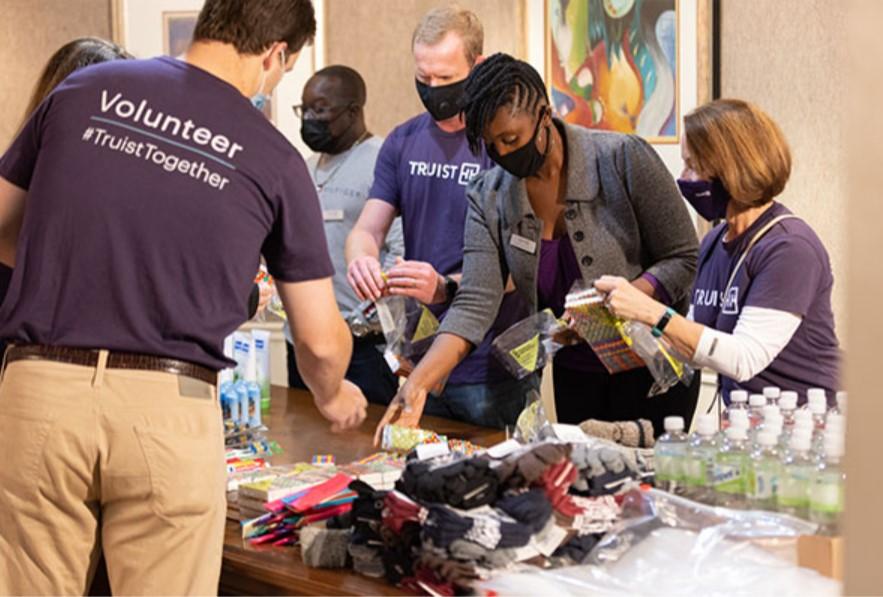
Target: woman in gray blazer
<point x="566" y="203"/>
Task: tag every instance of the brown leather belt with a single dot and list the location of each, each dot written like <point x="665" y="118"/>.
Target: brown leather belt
<point x="115" y="360"/>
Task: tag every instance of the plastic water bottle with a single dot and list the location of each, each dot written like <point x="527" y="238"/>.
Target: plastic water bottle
<point x="826" y="490"/>
<point x="669" y="454"/>
<point x="797" y="471"/>
<point x="787" y="406"/>
<point x="756" y="402"/>
<point x="731" y="469"/>
<point x="738" y="402"/>
<point x="699" y="463"/>
<point x="772" y="395"/>
<point x="765" y="471"/>
<point x="224" y="389"/>
<point x="772" y="420"/>
<point x="252" y="414"/>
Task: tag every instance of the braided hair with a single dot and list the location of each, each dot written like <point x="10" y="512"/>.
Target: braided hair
<point x="499" y="81"/>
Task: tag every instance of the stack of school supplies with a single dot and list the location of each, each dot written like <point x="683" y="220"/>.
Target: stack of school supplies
<point x="285" y="517"/>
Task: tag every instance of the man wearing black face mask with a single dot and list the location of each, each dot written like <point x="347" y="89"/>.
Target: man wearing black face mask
<point x="422" y="172"/>
<point x="333" y="126"/>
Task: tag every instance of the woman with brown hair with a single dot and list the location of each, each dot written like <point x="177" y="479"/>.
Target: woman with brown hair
<point x="761" y="307"/>
<point x="70" y="57"/>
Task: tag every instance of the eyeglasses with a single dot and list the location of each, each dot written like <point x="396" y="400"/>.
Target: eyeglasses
<point x="320" y="112"/>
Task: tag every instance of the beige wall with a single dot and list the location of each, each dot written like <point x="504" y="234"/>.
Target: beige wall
<point x="788" y="56"/>
<point x="864" y="518"/>
<point x="30" y="31"/>
<point x="374" y="38"/>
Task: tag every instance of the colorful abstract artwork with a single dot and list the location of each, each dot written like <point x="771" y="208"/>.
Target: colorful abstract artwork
<point x="613" y="65"/>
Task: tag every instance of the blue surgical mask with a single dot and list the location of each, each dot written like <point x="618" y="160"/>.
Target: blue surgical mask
<point x="708" y="197"/>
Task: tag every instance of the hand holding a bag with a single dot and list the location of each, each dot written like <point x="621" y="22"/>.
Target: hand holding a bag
<point x="626" y="301"/>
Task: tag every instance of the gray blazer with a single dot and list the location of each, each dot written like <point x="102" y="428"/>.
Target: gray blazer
<point x="624" y="216"/>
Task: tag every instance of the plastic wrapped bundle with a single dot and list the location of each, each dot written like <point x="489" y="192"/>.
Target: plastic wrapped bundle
<point x="590" y="319"/>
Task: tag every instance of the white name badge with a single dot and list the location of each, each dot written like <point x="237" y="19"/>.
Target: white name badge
<point x="525" y="244"/>
<point x="333" y="215"/>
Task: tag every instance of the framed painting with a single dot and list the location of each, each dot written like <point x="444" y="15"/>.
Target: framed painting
<point x="177" y="28"/>
<point x="615" y="65"/>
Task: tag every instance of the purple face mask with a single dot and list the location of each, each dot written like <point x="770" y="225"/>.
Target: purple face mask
<point x="708" y="197"/>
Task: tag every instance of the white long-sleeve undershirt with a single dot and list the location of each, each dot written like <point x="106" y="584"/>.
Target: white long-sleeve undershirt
<point x="758" y="338"/>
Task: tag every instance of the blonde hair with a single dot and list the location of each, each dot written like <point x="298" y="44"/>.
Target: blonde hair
<point x="440" y="21"/>
<point x="737" y="142"/>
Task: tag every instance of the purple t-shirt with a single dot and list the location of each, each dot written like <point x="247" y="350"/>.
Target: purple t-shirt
<point x="558" y="270"/>
<point x="788" y="270"/>
<point x="422" y="171"/>
<point x="153" y="189"/>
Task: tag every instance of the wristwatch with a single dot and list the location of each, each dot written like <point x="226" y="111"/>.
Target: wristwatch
<point x="451" y="287"/>
<point x="663" y="321"/>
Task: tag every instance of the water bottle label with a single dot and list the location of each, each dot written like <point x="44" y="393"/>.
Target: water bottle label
<point x="827" y="498"/>
<point x="728" y="478"/>
<point x="665" y="468"/>
<point x="764" y="484"/>
<point x="794" y="489"/>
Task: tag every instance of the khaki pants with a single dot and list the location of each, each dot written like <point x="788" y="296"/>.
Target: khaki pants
<point x="131" y="462"/>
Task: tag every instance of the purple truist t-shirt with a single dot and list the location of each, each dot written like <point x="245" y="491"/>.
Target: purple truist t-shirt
<point x="422" y="171"/>
<point x="153" y="189"/>
<point x="558" y="270"/>
<point x="787" y="270"/>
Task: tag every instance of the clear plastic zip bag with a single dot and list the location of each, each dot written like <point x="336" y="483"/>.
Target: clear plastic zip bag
<point x="623" y="345"/>
<point x="668" y="545"/>
<point x="666" y="365"/>
<point x="528" y="345"/>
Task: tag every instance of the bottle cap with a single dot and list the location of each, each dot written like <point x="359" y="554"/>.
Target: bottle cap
<point x="737" y="433"/>
<point x="739" y="396"/>
<point x="788" y="400"/>
<point x="756" y="400"/>
<point x="706" y="424"/>
<point x="772" y="392"/>
<point x="816" y="395"/>
<point x="765" y="438"/>
<point x="674" y="423"/>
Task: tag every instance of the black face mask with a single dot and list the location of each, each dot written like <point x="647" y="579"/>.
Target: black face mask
<point x="442" y="102"/>
<point x="317" y="135"/>
<point x="526" y="160"/>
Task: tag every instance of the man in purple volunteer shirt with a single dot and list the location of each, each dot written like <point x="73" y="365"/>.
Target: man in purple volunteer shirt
<point x="421" y="173"/>
<point x="135" y="205"/>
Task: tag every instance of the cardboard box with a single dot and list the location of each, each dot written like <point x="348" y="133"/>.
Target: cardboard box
<point x="822" y="554"/>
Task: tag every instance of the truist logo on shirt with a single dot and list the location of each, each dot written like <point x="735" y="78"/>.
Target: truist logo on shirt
<point x="462" y="173"/>
<point x="731" y="302"/>
<point x="176" y="145"/>
<point x="711" y="298"/>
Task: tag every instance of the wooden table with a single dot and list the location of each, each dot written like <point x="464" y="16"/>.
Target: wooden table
<point x="301" y="431"/>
